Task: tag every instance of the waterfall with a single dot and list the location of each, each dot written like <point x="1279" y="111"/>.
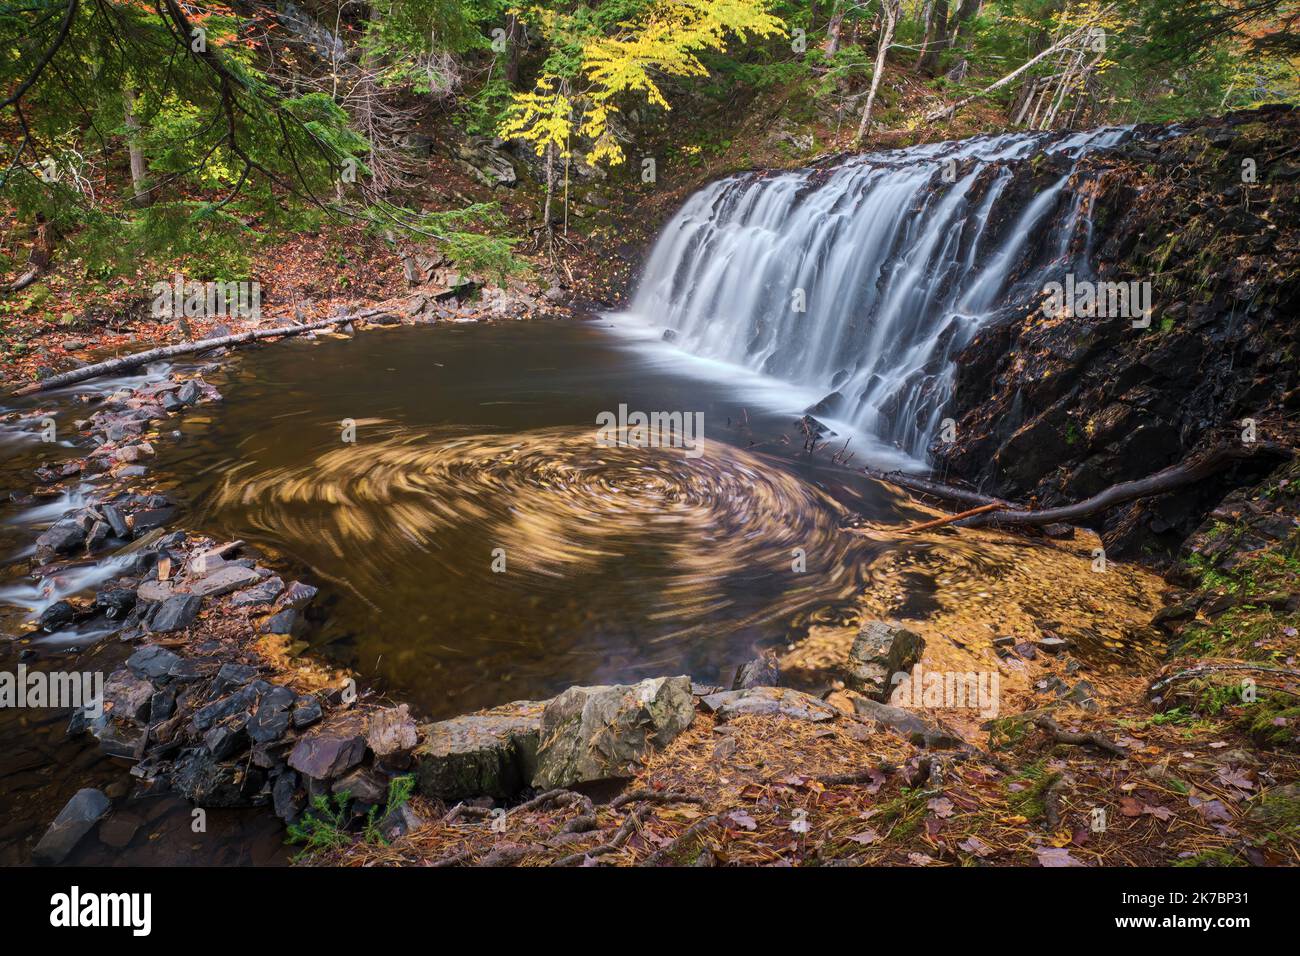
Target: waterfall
<point x="863" y="281"/>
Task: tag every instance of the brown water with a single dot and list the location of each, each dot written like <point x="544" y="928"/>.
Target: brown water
<point x="476" y="446"/>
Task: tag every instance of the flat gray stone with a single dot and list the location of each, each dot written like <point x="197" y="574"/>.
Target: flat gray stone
<point x="782" y="701"/>
<point x="232" y="577"/>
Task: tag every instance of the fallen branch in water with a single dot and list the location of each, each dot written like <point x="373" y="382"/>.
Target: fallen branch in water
<point x="935" y="489"/>
<point x="1168" y="479"/>
<point x="949" y="519"/>
<point x="127" y="362"/>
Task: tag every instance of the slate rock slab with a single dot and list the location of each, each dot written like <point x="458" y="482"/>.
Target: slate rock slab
<point x="74" y="821"/>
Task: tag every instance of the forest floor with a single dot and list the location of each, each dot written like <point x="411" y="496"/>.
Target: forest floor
<point x="1157" y="737"/>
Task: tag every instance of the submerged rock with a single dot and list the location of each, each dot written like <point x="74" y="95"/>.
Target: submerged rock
<point x="603" y="733"/>
<point x="74" y="821"/>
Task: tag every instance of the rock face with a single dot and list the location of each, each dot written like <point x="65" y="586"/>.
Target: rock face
<point x="74" y="821"/>
<point x="603" y="733"/>
<point x="794" y="704"/>
<point x="492" y="753"/>
<point x="881" y="650"/>
<point x="1061" y="408"/>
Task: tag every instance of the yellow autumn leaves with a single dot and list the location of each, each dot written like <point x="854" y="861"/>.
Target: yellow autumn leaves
<point x="666" y="40"/>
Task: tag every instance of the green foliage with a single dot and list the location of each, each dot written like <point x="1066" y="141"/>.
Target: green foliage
<point x="323" y="826"/>
<point x="400" y="790"/>
<point x="326" y="824"/>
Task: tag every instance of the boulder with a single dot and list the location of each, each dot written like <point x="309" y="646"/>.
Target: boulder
<point x="306" y="712"/>
<point x="264" y="592"/>
<point x="881" y="650"/>
<point x="201" y="778"/>
<point x="56" y="616"/>
<point x="271" y="719"/>
<point x="760" y="672"/>
<point x="492" y="753"/>
<point x="794" y="704"/>
<point x="63" y="537"/>
<point x="74" y="821"/>
<point x="297" y="596"/>
<point x="363" y="787"/>
<point x="605" y="732"/>
<point x="127" y="697"/>
<point x="152" y="662"/>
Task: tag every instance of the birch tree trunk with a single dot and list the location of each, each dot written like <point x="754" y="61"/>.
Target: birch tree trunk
<point x="890" y="18"/>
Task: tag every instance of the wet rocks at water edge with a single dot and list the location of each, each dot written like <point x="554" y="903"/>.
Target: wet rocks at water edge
<point x="74" y="821"/>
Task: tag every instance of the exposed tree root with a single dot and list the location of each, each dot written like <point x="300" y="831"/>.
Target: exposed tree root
<point x="1063" y="736"/>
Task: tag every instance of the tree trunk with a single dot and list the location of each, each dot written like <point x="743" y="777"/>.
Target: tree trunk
<point x="514" y="43"/>
<point x="832" y="44"/>
<point x="961" y="17"/>
<point x="141" y="195"/>
<point x="936" y="39"/>
<point x="948" y="111"/>
<point x="1169" y="479"/>
<point x="890" y="17"/>
<point x="38" y="259"/>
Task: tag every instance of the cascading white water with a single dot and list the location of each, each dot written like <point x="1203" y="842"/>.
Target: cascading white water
<point x="864" y="280"/>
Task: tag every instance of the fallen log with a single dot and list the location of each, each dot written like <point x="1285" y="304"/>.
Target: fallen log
<point x="127" y="362"/>
<point x="935" y="489"/>
<point x="1168" y="479"/>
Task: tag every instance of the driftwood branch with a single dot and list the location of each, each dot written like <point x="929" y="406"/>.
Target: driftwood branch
<point x="127" y="362"/>
<point x="1169" y="479"/>
<point x="949" y="519"/>
<point x="1061" y="735"/>
<point x="934" y="488"/>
